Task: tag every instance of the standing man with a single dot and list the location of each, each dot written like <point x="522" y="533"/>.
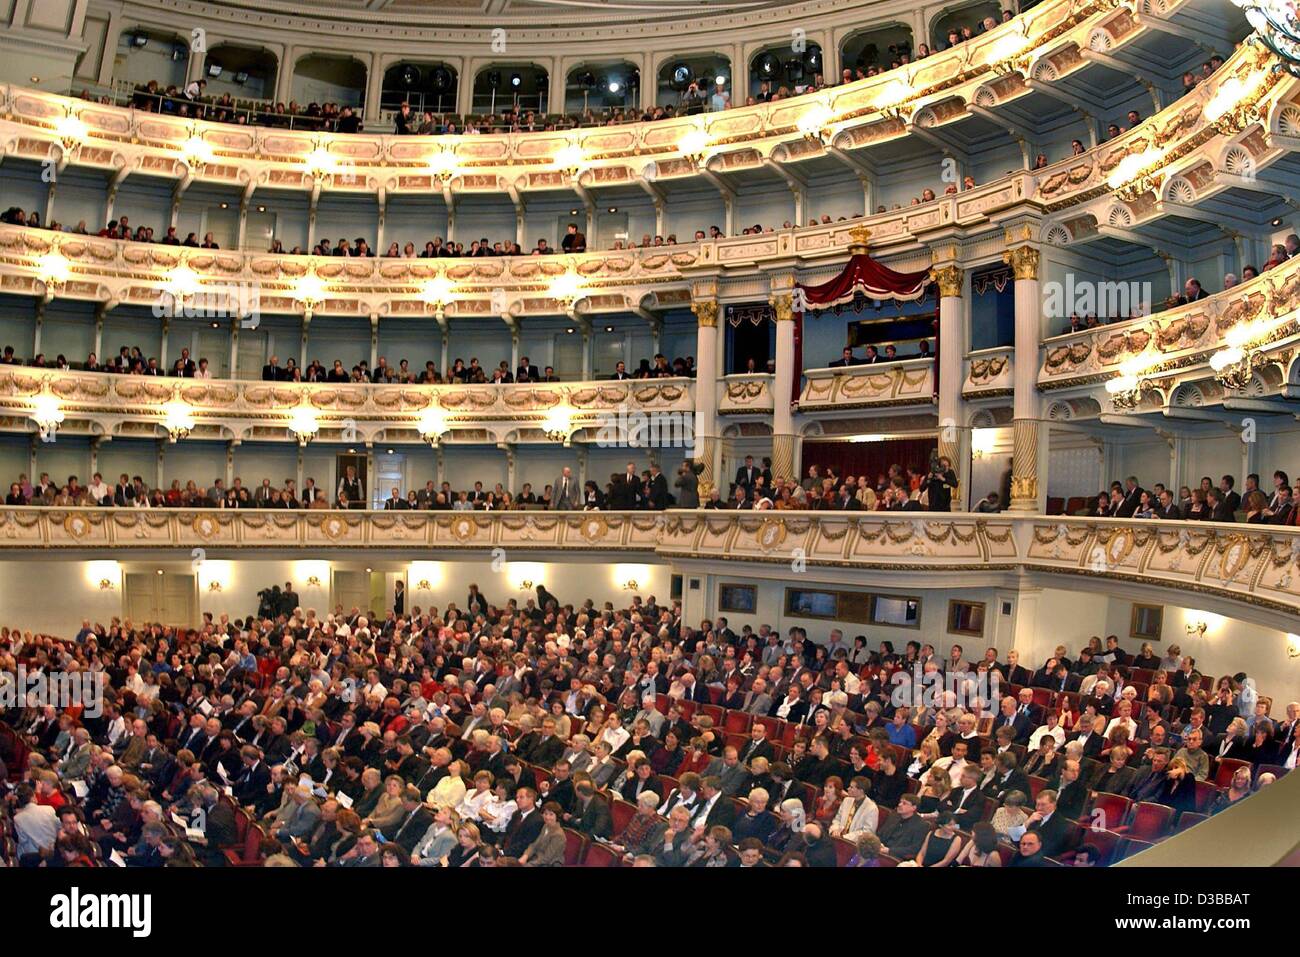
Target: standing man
<point x="566" y="492"/>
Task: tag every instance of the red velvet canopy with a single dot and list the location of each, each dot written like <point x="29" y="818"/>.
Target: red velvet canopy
<point x="862" y="276"/>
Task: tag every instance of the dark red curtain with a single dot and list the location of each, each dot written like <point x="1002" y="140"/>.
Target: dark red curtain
<point x="868" y="458"/>
<point x="862" y="276"/>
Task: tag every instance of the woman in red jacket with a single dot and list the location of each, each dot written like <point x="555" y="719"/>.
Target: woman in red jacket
<point x="697" y="758"/>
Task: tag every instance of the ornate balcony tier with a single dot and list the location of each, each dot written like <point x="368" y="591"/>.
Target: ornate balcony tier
<point x="96" y="403"/>
<point x="988" y="373"/>
<point x="1173" y="348"/>
<point x="1246" y="113"/>
<point x="905" y="382"/>
<point x="1256" y="566"/>
<point x="1042" y="45"/>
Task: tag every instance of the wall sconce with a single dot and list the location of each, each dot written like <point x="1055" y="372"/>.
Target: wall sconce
<point x="1293" y="646"/>
<point x="214" y="586"/>
<point x="178" y="420"/>
<point x="105" y="585"/>
<point x="570" y="159"/>
<point x="558" y="424"/>
<point x="1197" y="627"/>
<point x="526" y="585"/>
<point x="313" y="581"/>
<point x="982" y="442"/>
<point x="631" y="585"/>
<point x="433" y="425"/>
<point x="47" y="415"/>
<point x="423" y="585"/>
<point x="304" y="424"/>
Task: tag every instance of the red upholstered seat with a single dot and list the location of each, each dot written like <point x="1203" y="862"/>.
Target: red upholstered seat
<point x="598" y="855"/>
<point x="248" y="853"/>
<point x="574" y="845"/>
<point x="1150" y="822"/>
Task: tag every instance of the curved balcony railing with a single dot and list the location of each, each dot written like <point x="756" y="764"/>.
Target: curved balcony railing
<point x="903" y="382"/>
<point x="1254" y="565"/>
<point x="96" y="402"/>
<point x="1043" y="44"/>
<point x="1175" y="346"/>
<point x="746" y="394"/>
<point x="1245" y="107"/>
<point x="989" y="372"/>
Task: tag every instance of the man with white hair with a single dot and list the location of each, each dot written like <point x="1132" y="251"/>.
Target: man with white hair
<point x="650" y="714"/>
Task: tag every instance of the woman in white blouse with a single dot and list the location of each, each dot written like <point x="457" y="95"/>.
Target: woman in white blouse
<point x="472" y="802"/>
<point x="450" y="791"/>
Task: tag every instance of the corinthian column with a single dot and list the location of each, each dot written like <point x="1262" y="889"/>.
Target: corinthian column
<point x="1025" y="466"/>
<point x="706" y="392"/>
<point x="952" y="349"/>
<point x="783" y="434"/>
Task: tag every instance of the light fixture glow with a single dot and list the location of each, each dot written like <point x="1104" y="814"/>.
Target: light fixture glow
<point x="304" y="423"/>
<point x="439" y="290"/>
<point x="309" y="289"/>
<point x="47" y="415"/>
<point x="178" y="419"/>
<point x="433" y="425"/>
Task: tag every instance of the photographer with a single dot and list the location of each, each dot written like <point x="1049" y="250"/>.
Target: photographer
<point x="940" y="484"/>
<point x="692" y="100"/>
<point x="688" y="484"/>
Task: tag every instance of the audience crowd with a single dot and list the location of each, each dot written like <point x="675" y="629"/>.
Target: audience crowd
<point x="543" y="733"/>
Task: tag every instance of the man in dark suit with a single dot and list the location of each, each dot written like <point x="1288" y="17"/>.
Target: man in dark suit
<point x="1011" y="716"/>
<point x="1132" y="498"/>
<point x="1228" y="494"/>
<point x="415" y="820"/>
<point x="1168" y="509"/>
<point x="658" y="488"/>
<point x="1072" y="792"/>
<point x="758" y="746"/>
<point x="747" y="474"/>
<point x="547" y="748"/>
<point x="965" y="803"/>
<point x="250" y="783"/>
<point x="847" y="501"/>
<point x="527" y="372"/>
<point x="1221" y="509"/>
<point x="1282" y="506"/>
<point x="715" y="808"/>
<point x="525" y="826"/>
<point x="1050" y="824"/>
<point x="845" y="360"/>
<point x="271" y="372"/>
<point x="589" y="815"/>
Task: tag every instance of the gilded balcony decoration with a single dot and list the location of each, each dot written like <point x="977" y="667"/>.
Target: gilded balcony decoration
<point x="745" y="395"/>
<point x="107" y="271"/>
<point x="989" y="372"/>
<point x="1051" y="32"/>
<point x="225" y="409"/>
<point x="906" y="382"/>
<point x="1253" y="565"/>
<point x="1263" y="311"/>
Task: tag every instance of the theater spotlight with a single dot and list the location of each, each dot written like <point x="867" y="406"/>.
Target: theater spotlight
<point x="516" y="80"/>
<point x="441" y="79"/>
<point x="767" y="66"/>
<point x="494" y="79"/>
<point x="681" y="78"/>
<point x="615" y="86"/>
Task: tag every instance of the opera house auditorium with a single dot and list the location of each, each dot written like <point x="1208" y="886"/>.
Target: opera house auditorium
<point x="323" y="547"/>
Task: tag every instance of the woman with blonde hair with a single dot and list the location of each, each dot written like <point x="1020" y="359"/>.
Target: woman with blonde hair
<point x="923" y="759"/>
<point x="466" y="851"/>
<point x="388" y="811"/>
<point x="937" y="784"/>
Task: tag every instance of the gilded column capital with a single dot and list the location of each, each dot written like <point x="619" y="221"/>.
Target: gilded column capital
<point x="949" y="279"/>
<point x="706" y="312"/>
<point x="783" y="306"/>
<point x="1023" y="261"/>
